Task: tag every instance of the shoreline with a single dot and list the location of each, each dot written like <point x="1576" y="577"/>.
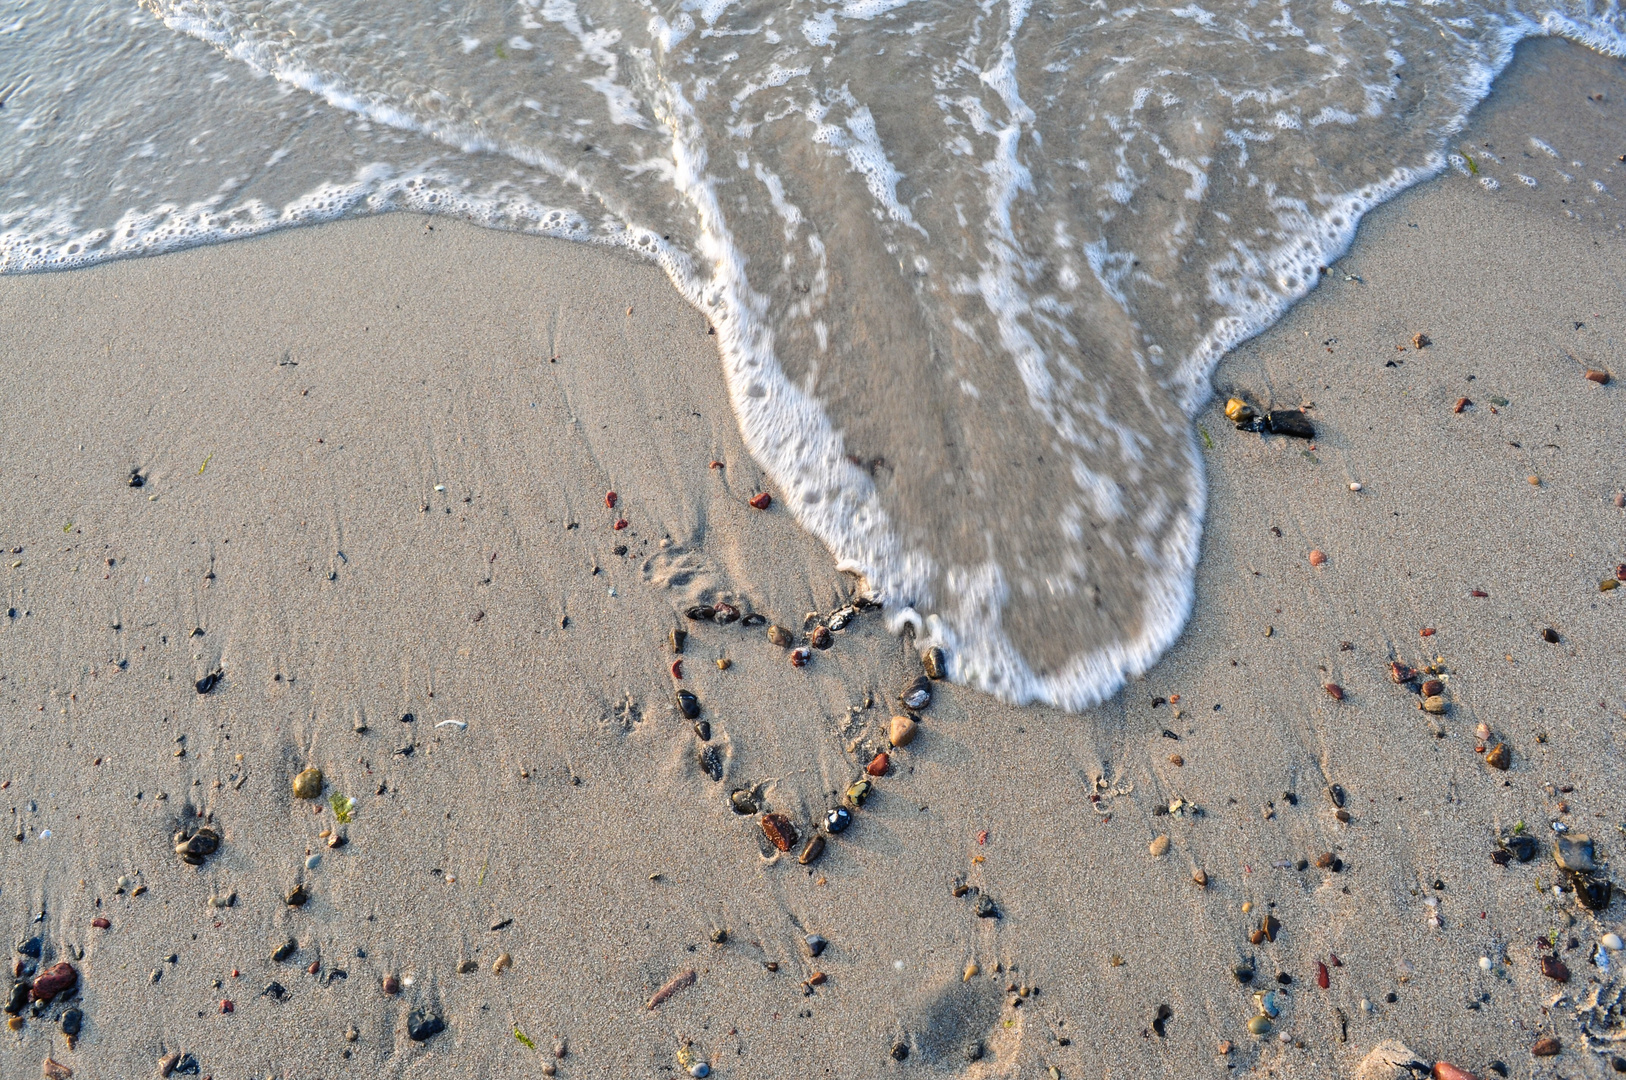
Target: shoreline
<point x="292" y="406"/>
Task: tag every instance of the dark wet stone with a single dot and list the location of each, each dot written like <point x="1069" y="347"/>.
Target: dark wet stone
<point x="742" y="802"/>
<point x="1290" y="422"/>
<point x="1501" y="857"/>
<point x="815" y="945"/>
<point x="723" y="614"/>
<point x="285" y="950"/>
<point x="17" y="1000"/>
<point x="1244" y="973"/>
<point x="298" y="896"/>
<point x="72" y="1021"/>
<point x="208" y="682"/>
<point x="136" y="480"/>
<point x="711" y="763"/>
<point x="202" y="843"/>
<point x="821" y="637"/>
<point x="31" y="947"/>
<point x="753" y="619"/>
<point x="986" y="908"/>
<point x="677" y="638"/>
<point x="1555" y="969"/>
<point x="935" y="663"/>
<point x="1550" y="636"/>
<point x="1521" y="846"/>
<point x="702" y="730"/>
<point x="700" y="612"/>
<point x="54" y="980"/>
<point x="811" y="853"/>
<point x="837" y="820"/>
<point x="1336" y="794"/>
<point x="779" y="830"/>
<point x="1574" y="852"/>
<point x="1592" y="892"/>
<point x="275" y="990"/>
<point x="688" y="704"/>
<point x="187" y="1066"/>
<point x="918" y="694"/>
<point x="423" y="1026"/>
<point x="900" y="1051"/>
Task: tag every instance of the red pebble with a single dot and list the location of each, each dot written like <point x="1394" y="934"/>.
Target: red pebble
<point x="761" y="501"/>
<point x="1334" y="690"/>
<point x="677" y="669"/>
<point x="1479" y="593"/>
<point x="610" y="499"/>
<point x="717" y="464"/>
<point x="1427" y="631"/>
<point x="1444" y="1070"/>
<point x="1335" y="961"/>
<point x="1321" y="979"/>
<point x="619" y="525"/>
<point x="879" y="766"/>
<point x="1462" y="403"/>
<point x="1317" y="557"/>
<point x="1620" y="572"/>
<point x="100" y="923"/>
<point x="54" y="980"/>
<point x="226" y="1007"/>
<point x="800" y="657"/>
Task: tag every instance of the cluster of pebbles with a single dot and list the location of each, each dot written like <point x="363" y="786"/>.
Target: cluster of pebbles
<point x="38" y="988"/>
<point x="781" y="832"/>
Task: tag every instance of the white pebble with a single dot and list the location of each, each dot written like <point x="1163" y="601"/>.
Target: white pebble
<point x="1354" y="485"/>
<point x="1285" y="1037"/>
<point x="1611" y="941"/>
<point x="440" y="487"/>
<point x="1484" y="963"/>
<point x="700" y="1068"/>
<point x="310" y="863"/>
<point x="1366" y="1005"/>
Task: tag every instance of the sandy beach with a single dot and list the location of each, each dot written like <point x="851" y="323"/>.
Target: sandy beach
<point x="420" y="506"/>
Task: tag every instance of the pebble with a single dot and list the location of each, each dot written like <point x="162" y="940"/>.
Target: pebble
<point x="423" y="1026"/>
<point x="1158" y="846"/>
<point x="1199" y="878"/>
<point x="1611" y="941"/>
<point x="779" y="831"/>
<point x="821" y="637"/>
<point x="502" y="964"/>
<point x="1546" y="1046"/>
<point x="1574" y="852"/>
<point x="54" y="1070"/>
<point x="711" y="763"/>
<point x="815" y="945"/>
<point x="197" y="847"/>
<point x="761" y="500"/>
<point x="742" y="802"/>
<point x="780" y="636"/>
<point x="986" y="908"/>
<point x="935" y="663"/>
<point x="392" y="985"/>
<point x="800" y="657"/>
<point x="1259" y="1025"/>
<point x="1555" y="969"/>
<point x="1550" y="636"/>
<point x="1599" y="377"/>
<point x="702" y="730"/>
<point x="723" y="614"/>
<point x="902" y="730"/>
<point x="971" y="972"/>
<point x="1317" y="557"/>
<point x="879" y="764"/>
<point x="54" y="980"/>
<point x="688" y="704"/>
<point x="298" y="895"/>
<point x="835" y="821"/>
<point x="676" y="638"/>
<point x="857" y="792"/>
<point x="311" y="861"/>
<point x="1334" y="691"/>
<point x="285" y="950"/>
<point x="1355" y="485"/>
<point x="1435" y="704"/>
<point x="918" y="694"/>
<point x="71" y="1022"/>
<point x="308" y="784"/>
<point x="1500" y="757"/>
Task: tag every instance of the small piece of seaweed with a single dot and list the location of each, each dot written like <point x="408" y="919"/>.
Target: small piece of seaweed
<point x="343" y="808"/>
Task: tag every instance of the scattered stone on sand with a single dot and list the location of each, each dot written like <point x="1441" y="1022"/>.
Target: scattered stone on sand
<point x="1390" y="1060"/>
<point x="1499" y="757"/>
<point x="902" y="730"/>
<point x="308" y="784"/>
<point x="285" y="950"/>
<point x="688" y="704"/>
<point x="1436" y="705"/>
<point x="985" y="908"/>
<point x="194" y="849"/>
<point x="811" y="852"/>
<point x="687" y="978"/>
<point x="879" y="764"/>
<point x="918" y="694"/>
<point x="1159" y="846"/>
<point x="1555" y="969"/>
<point x="423" y="1026"/>
<point x="835" y="821"/>
<point x="779" y="831"/>
<point x="935" y="663"/>
<point x="298" y="896"/>
<point x="52" y="1069"/>
<point x="815" y="945"/>
<point x="167" y="1063"/>
<point x="1546" y="1046"/>
<point x="1574" y="852"/>
<point x="1317" y="557"/>
<point x="1550" y="636"/>
<point x="821" y="637"/>
<point x="675" y="638"/>
<point x="1611" y="941"/>
<point x="1334" y="691"/>
<point x="742" y="802"/>
<point x="761" y="500"/>
<point x="800" y="656"/>
<point x="391" y="985"/>
<point x="1199" y="878"/>
<point x="1599" y="377"/>
<point x="711" y="762"/>
<point x="780" y="636"/>
<point x="1259" y="1025"/>
<point x="56" y="979"/>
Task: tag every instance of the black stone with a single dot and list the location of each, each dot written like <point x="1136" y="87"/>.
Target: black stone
<point x="1290" y="422"/>
<point x="501" y="924"/>
<point x="18" y="1000"/>
<point x="688" y="704"/>
<point x="700" y="612"/>
<point x="72" y="1021"/>
<point x="815" y="944"/>
<point x="1594" y="893"/>
<point x="986" y="908"/>
<point x="207" y="683"/>
<point x="188" y="1066"/>
<point x="1336" y="794"/>
<point x="422" y="1026"/>
<point x="407" y="718"/>
<point x="837" y="820"/>
<point x="702" y="730"/>
<point x="753" y="619"/>
<point x="1500" y="857"/>
<point x="1284" y="978"/>
<point x="285" y="950"/>
<point x="1391" y="997"/>
<point x="136" y="480"/>
<point x="275" y="990"/>
<point x="1521" y="846"/>
<point x="1243" y="973"/>
<point x="900" y="1051"/>
<point x="711" y="763"/>
<point x="32" y="947"/>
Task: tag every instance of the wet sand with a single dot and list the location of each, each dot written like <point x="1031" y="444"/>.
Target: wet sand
<point x="375" y="459"/>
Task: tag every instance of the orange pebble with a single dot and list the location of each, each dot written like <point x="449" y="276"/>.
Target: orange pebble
<point x="1317" y="557"/>
<point x="879" y="765"/>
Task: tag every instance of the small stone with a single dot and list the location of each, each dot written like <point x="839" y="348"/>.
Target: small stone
<point x="1243" y="972"/>
<point x="31" y="947"/>
<point x="423" y="1026"/>
<point x="779" y="831"/>
<point x="1159" y="846"/>
<point x="857" y="792"/>
<point x="711" y="763"/>
<point x="54" y="980"/>
<point x="688" y="704"/>
<point x="351" y="1034"/>
<point x="503" y="962"/>
<point x="1290" y="422"/>
<point x="723" y="614"/>
<point x="675" y="638"/>
<point x="54" y="1070"/>
<point x="935" y="663"/>
<point x="724" y="663"/>
<point x="308" y="784"/>
<point x="1546" y="1046"/>
<point x="821" y="637"/>
<point x="1436" y="705"/>
<point x="810" y="853"/>
<point x="742" y="802"/>
<point x="902" y="730"/>
<point x="1611" y="941"/>
<point x="1550" y="636"/>
<point x="312" y="861"/>
<point x="780" y="636"/>
<point x="285" y="950"/>
<point x="1317" y="557"/>
<point x="1522" y="846"/>
<point x="1499" y="757"/>
<point x="1592" y="892"/>
<point x="1555" y="969"/>
<point x="761" y="500"/>
<point x="900" y="1051"/>
<point x="298" y="896"/>
<point x="1574" y="852"/>
<point x="201" y="844"/>
<point x="1390" y="1060"/>
<point x="800" y="657"/>
<point x="815" y="945"/>
<point x="918" y="694"/>
<point x="879" y="764"/>
<point x="392" y="985"/>
<point x="1420" y="341"/>
<point x="467" y="967"/>
<point x="1177" y="761"/>
<point x="1336" y="794"/>
<point x="167" y="1063"/>
<point x="702" y="730"/>
<point x="1432" y="688"/>
<point x="1259" y="1025"/>
<point x="1599" y="377"/>
<point x="985" y="907"/>
<point x="971" y="972"/>
<point x="835" y="821"/>
<point x="1199" y="878"/>
<point x="71" y="1022"/>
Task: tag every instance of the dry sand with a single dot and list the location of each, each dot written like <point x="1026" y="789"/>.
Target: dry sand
<point x="376" y="456"/>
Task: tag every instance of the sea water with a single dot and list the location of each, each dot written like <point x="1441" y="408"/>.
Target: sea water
<point x="969" y="264"/>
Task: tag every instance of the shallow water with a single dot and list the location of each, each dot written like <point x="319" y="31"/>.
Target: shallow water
<point x="969" y="265"/>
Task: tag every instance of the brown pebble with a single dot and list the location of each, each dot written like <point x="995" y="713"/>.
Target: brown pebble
<point x="821" y="637"/>
<point x="503" y="962"/>
<point x="1546" y="1046"/>
<point x="1433" y="688"/>
<point x="779" y="831"/>
<point x="1158" y="846"/>
<point x="902" y="731"/>
<point x="1599" y="377"/>
<point x="810" y="854"/>
<point x="1317" y="557"/>
<point x="1176" y="760"/>
<point x="52" y="1069"/>
<point x="1421" y="341"/>
<point x="1500" y="757"/>
<point x="1462" y="403"/>
<point x="392" y="985"/>
<point x="297" y="896"/>
<point x="761" y="500"/>
<point x="1323" y="860"/>
<point x="1334" y="691"/>
<point x="780" y="636"/>
<point x="818" y="978"/>
<point x="1550" y="636"/>
<point x="1199" y="878"/>
<point x="54" y="980"/>
<point x="878" y="765"/>
<point x="1535" y="481"/>
<point x="1555" y="969"/>
<point x="1435" y="704"/>
<point x="167" y="1063"/>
